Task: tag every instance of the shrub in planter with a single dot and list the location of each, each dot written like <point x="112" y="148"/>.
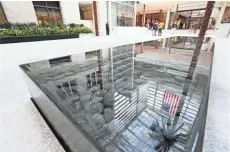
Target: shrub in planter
<point x="43" y="31"/>
<point x="8" y="25"/>
<point x="5" y="25"/>
<point x="71" y="25"/>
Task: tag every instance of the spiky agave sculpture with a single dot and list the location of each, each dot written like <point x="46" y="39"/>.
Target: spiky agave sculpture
<point x="167" y="134"/>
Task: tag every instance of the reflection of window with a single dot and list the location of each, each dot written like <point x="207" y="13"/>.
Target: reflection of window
<point x="2" y="15"/>
<point x="86" y="12"/>
<point x="58" y="61"/>
<point x="67" y="89"/>
<point x="91" y="54"/>
<point x="93" y="79"/>
<point x="122" y="13"/>
<point x="47" y="12"/>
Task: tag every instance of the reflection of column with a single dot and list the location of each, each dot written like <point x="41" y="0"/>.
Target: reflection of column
<point x="100" y="62"/>
<point x="142" y="47"/>
<point x="176" y="14"/>
<point x="221" y="13"/>
<point x="163" y="45"/>
<point x="143" y="17"/>
<point x="167" y="19"/>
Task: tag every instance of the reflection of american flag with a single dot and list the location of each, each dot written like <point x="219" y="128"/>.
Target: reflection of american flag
<point x="172" y="100"/>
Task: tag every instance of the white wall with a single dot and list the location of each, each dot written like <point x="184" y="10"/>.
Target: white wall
<point x="223" y="31"/>
<point x="102" y="16"/>
<point x="70" y="12"/>
<point x="217" y="135"/>
<point x="88" y="23"/>
<point x="19" y="11"/>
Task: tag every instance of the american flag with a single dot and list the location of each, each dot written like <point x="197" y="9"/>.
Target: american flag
<point x="171" y="101"/>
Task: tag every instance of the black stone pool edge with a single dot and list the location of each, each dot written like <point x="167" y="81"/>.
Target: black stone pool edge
<point x="56" y="134"/>
<point x="43" y="110"/>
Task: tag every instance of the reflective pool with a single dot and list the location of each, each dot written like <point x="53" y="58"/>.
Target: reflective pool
<point x="128" y="101"/>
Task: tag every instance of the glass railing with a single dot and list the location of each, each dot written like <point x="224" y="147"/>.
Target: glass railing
<point x="124" y="102"/>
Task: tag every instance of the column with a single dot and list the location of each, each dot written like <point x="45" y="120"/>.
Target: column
<point x="102" y="16"/>
<point x="143" y="16"/>
<point x="135" y="12"/>
<point x="167" y="19"/>
<point x="19" y="11"/>
<point x="220" y="16"/>
<point x="221" y="13"/>
<point x="160" y="15"/>
<point x="95" y="17"/>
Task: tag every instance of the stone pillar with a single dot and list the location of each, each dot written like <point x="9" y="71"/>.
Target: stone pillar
<point x="101" y="17"/>
<point x="220" y="16"/>
<point x="167" y="19"/>
<point x="221" y="13"/>
<point x="95" y="15"/>
<point x="143" y="17"/>
<point x="160" y="16"/>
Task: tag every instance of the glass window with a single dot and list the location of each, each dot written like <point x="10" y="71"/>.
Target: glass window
<point x="48" y="12"/>
<point x="42" y="15"/>
<point x="53" y="4"/>
<point x="130" y="12"/>
<point x="2" y="15"/>
<point x="121" y="21"/>
<point x="128" y="21"/>
<point x="86" y="10"/>
<point x="113" y="8"/>
<point x="131" y="3"/>
<point x="122" y="10"/>
<point x="55" y="16"/>
<point x="114" y="21"/>
<point x="122" y="13"/>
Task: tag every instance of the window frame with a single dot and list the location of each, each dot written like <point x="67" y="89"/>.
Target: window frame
<point x="47" y="7"/>
<point x="116" y="14"/>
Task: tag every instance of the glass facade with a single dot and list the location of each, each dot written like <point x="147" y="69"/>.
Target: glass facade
<point x="122" y="13"/>
<point x="2" y="14"/>
<point x="48" y="12"/>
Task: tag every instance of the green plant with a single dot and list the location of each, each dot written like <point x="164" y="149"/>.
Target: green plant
<point x="5" y="25"/>
<point x="43" y="31"/>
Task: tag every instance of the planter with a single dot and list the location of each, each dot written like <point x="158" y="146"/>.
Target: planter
<point x="87" y="35"/>
<point x="6" y="40"/>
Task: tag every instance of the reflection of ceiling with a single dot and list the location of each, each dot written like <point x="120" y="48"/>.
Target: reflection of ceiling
<point x="156" y="6"/>
<point x="85" y="4"/>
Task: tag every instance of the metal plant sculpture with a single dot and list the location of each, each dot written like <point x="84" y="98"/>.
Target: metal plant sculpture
<point x="167" y="134"/>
